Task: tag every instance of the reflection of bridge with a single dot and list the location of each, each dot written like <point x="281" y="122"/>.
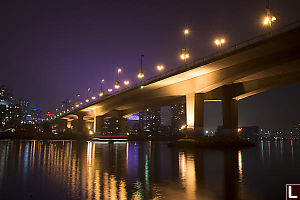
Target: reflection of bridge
<point x="230" y="75"/>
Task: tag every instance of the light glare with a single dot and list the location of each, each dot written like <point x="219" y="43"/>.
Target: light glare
<point x="160" y="67"/>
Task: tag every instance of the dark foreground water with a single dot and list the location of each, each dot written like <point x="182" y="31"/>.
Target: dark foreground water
<point x="144" y="170"/>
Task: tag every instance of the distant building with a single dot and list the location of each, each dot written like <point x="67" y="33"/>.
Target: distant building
<point x="111" y="126"/>
<point x="150" y="121"/>
<point x="10" y="113"/>
<point x="133" y="124"/>
<point x="178" y="116"/>
<point x="165" y="115"/>
<point x="14" y="113"/>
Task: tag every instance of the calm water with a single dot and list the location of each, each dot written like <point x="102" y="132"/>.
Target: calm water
<point x="144" y="170"/>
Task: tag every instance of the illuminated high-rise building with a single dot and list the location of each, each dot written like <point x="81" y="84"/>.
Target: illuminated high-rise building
<point x="10" y="113"/>
<point x="111" y="126"/>
<point x="178" y="116"/>
<point x="150" y="121"/>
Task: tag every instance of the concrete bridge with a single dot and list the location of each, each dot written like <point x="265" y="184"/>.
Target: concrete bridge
<point x="262" y="63"/>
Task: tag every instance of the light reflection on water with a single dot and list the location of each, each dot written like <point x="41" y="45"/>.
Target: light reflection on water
<point x="144" y="170"/>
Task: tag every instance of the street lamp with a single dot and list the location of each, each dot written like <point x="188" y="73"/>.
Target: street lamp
<point x="101" y="90"/>
<point x="160" y="67"/>
<point x="220" y="42"/>
<point x="77" y="103"/>
<point x="268" y="19"/>
<point x="88" y="98"/>
<point x="109" y="90"/>
<point x="126" y="82"/>
<point x="118" y="85"/>
<point x="185" y="52"/>
<point x="141" y="71"/>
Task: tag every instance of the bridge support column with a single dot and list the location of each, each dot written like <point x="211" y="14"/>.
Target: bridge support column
<point x="195" y="113"/>
<point x="69" y="123"/>
<point x="98" y="124"/>
<point x="230" y="116"/>
<point x="81" y="127"/>
<point x="123" y="125"/>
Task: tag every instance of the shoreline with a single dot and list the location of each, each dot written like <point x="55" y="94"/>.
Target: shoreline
<point x="212" y="142"/>
<point x="68" y="136"/>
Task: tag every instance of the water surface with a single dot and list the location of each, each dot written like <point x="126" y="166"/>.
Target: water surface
<point x="144" y="170"/>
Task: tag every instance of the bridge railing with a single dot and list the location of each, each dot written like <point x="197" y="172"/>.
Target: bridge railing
<point x="203" y="60"/>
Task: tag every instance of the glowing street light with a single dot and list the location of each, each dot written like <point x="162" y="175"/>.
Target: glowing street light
<point x="126" y="82"/>
<point x="184" y="55"/>
<point x="93" y="98"/>
<point x="268" y="20"/>
<point x="109" y="90"/>
<point x="141" y="74"/>
<point x="117" y="85"/>
<point x="160" y="67"/>
<point x="220" y="42"/>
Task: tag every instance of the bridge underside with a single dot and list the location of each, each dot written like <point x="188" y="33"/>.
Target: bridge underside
<point x="230" y="77"/>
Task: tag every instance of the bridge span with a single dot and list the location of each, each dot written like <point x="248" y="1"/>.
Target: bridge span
<point x="234" y="73"/>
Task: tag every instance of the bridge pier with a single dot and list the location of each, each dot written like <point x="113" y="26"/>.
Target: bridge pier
<point x="123" y="125"/>
<point x="113" y="122"/>
<point x="69" y="123"/>
<point x="81" y="128"/>
<point x="230" y="116"/>
<point x="98" y="124"/>
<point x="195" y="113"/>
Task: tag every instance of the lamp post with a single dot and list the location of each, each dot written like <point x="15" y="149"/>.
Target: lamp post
<point x="269" y="19"/>
<point x="141" y="71"/>
<point x="88" y="98"/>
<point x="77" y="104"/>
<point x="118" y="85"/>
<point x="185" y="52"/>
<point x="101" y="89"/>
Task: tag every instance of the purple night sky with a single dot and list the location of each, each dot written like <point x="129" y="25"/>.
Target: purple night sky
<point x="51" y="50"/>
